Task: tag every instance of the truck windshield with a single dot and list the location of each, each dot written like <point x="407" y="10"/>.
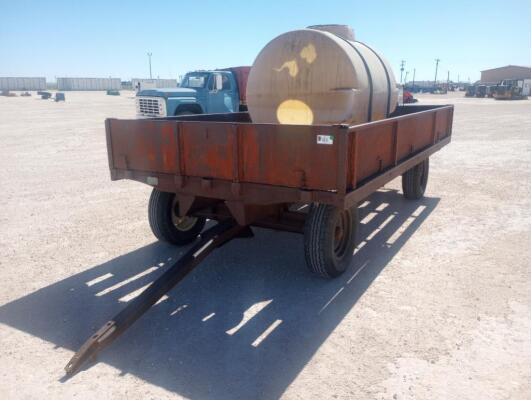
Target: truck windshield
<point x="194" y="80"/>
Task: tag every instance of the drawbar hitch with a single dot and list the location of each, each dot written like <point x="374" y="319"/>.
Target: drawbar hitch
<point x="211" y="239"/>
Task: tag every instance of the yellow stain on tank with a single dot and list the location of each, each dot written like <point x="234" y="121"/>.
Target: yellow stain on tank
<point x="293" y="68"/>
<point x="294" y="112"/>
<point x="308" y="53"/>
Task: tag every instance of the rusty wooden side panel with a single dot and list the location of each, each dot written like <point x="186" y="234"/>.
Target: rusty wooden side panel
<point x="268" y="154"/>
<point x="443" y="126"/>
<point x="144" y="145"/>
<point x="382" y="145"/>
<point x="208" y="149"/>
<point x="414" y="134"/>
<point x="375" y="151"/>
<point x="226" y="157"/>
<point x="289" y="156"/>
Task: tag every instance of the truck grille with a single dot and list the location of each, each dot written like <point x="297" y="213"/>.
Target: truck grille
<point x="151" y="106"/>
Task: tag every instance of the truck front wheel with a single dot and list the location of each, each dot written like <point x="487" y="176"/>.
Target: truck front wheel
<point x="415" y="179"/>
<point x="329" y="239"/>
<point x="184" y="112"/>
<point x="165" y="222"/>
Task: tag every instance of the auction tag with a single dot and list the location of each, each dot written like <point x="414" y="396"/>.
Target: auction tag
<point x="325" y="139"/>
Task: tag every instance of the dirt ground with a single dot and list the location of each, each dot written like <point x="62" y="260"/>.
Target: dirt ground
<point x="436" y="306"/>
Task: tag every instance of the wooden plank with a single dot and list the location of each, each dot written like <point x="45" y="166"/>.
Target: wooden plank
<point x="376" y="182"/>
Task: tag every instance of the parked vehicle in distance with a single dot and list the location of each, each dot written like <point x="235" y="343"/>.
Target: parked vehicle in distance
<point x="481" y="91"/>
<point x="508" y="91"/>
<point x="440" y="90"/>
<point x="470" y="91"/>
<point x="526" y="87"/>
<point x="408" y="97"/>
<point x="200" y="92"/>
<point x="519" y="88"/>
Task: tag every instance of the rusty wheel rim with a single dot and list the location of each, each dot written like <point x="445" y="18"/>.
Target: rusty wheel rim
<point x="182" y="224"/>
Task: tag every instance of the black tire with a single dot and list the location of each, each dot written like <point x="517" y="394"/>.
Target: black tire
<point x="163" y="220"/>
<point x="329" y="239"/>
<point x="415" y="179"/>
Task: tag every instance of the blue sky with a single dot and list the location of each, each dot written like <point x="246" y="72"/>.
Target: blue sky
<point x="110" y="38"/>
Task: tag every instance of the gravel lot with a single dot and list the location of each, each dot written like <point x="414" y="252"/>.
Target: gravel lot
<point x="437" y="305"/>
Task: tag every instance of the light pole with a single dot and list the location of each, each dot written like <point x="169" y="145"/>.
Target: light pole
<point x="402" y="69"/>
<point x="436" y="67"/>
<point x="413" y="86"/>
<point x="149" y="57"/>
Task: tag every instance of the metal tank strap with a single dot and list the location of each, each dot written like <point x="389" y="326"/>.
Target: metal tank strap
<point x="369" y="76"/>
<point x="386" y="75"/>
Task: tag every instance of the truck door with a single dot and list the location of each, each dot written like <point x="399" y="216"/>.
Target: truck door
<point x="220" y="93"/>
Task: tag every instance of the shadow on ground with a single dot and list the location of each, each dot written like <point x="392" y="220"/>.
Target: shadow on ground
<point x="182" y="343"/>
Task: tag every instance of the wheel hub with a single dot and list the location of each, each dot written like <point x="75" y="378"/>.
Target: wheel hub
<point x="181" y="223"/>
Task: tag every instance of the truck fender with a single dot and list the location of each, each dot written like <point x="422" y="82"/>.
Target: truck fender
<point x="190" y="107"/>
<point x="173" y="105"/>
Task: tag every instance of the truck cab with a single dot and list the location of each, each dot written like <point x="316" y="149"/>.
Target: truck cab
<point x="200" y="92"/>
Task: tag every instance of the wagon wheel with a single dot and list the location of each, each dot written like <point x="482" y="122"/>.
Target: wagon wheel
<point x="329" y="239"/>
<point x="415" y="179"/>
<point x="165" y="222"/>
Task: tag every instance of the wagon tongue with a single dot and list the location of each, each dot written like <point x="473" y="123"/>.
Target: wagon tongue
<point x="210" y="240"/>
<point x="97" y="341"/>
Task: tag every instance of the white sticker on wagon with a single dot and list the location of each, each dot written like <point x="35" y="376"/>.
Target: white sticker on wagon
<point x="325" y="139"/>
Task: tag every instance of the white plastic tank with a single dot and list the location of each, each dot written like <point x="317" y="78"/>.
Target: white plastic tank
<point x="320" y="75"/>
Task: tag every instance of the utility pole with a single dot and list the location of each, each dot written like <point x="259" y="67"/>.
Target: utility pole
<point x="436" y="68"/>
<point x="413" y="85"/>
<point x="448" y="82"/>
<point x="402" y="63"/>
<point x="405" y="79"/>
<point x="149" y="57"/>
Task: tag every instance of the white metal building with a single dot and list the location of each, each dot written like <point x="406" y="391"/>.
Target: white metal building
<point x="23" y="83"/>
<point x="153" y="83"/>
<point x="88" y="84"/>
